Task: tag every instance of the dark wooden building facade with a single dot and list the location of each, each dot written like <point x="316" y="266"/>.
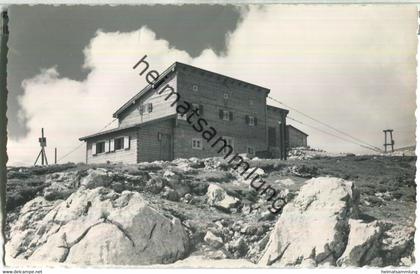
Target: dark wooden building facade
<point x="150" y="128"/>
<point x="296" y="137"/>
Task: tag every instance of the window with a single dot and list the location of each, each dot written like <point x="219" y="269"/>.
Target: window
<point x="197" y="143"/>
<point x="100" y="147"/>
<point x="149" y="107"/>
<point x="229" y="141"/>
<point x="141" y="109"/>
<point x="182" y="117"/>
<point x="196" y="106"/>
<point x="199" y="107"/>
<point x="226" y="96"/>
<point x="271" y="136"/>
<point x="251" y="121"/>
<point x="195" y="87"/>
<point x="119" y="143"/>
<point x="225" y="115"/>
<point x="250" y="150"/>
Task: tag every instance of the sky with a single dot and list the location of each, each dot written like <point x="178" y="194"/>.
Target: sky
<point x="352" y="67"/>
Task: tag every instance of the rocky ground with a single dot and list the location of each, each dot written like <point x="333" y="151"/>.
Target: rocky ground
<point x="344" y="210"/>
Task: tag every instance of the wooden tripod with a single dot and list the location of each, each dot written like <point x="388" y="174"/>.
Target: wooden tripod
<point x="43" y="143"/>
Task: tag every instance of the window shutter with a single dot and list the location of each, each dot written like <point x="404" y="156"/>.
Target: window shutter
<point x="230" y="115"/>
<point x="93" y="148"/>
<point x="255" y="120"/>
<point x="111" y="145"/>
<point x="221" y="114"/>
<point x="126" y="142"/>
<point x="247" y="119"/>
<point x="149" y="107"/>
<point x="106" y="146"/>
<point x="201" y="107"/>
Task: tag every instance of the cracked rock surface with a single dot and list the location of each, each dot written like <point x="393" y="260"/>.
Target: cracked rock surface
<point x="313" y="226"/>
<point x="321" y="227"/>
<point x="114" y="213"/>
<point x="96" y="227"/>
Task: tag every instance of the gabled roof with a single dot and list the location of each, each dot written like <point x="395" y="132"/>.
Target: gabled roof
<point x="145" y="90"/>
<point x="167" y="73"/>
<point x="297" y="129"/>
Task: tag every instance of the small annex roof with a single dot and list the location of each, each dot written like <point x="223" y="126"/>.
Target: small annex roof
<point x="118" y="129"/>
<point x="273" y="108"/>
<point x="297" y="130"/>
<point x="106" y="132"/>
<point x="168" y="72"/>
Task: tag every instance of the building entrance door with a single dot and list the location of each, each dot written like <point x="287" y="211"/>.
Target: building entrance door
<point x="166" y="147"/>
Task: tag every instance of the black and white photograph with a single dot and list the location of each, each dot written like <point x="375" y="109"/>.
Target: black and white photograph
<point x="263" y="136"/>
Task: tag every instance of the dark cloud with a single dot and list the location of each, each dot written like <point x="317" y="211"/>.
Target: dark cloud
<point x="45" y="36"/>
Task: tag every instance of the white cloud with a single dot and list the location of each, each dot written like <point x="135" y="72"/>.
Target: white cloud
<point x="68" y="109"/>
<point x="352" y="66"/>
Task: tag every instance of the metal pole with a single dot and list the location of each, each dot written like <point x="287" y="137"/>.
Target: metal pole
<point x="385" y="140"/>
<point x="392" y="141"/>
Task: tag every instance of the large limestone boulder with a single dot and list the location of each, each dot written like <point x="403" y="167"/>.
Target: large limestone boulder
<point x="213" y="240"/>
<point x="96" y="178"/>
<point x="100" y="226"/>
<point x="363" y="243"/>
<point x="24" y="229"/>
<point x="313" y="228"/>
<point x="182" y="164"/>
<point x="397" y="244"/>
<point x="217" y="197"/>
<point x="60" y="185"/>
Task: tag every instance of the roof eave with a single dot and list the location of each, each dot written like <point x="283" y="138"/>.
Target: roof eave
<point x="126" y="128"/>
<point x="267" y="90"/>
<point x="279" y="109"/>
<point x="105" y="132"/>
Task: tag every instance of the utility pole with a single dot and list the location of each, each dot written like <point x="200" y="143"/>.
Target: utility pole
<point x="55" y="155"/>
<point x="391" y="143"/>
<point x="43" y="142"/>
